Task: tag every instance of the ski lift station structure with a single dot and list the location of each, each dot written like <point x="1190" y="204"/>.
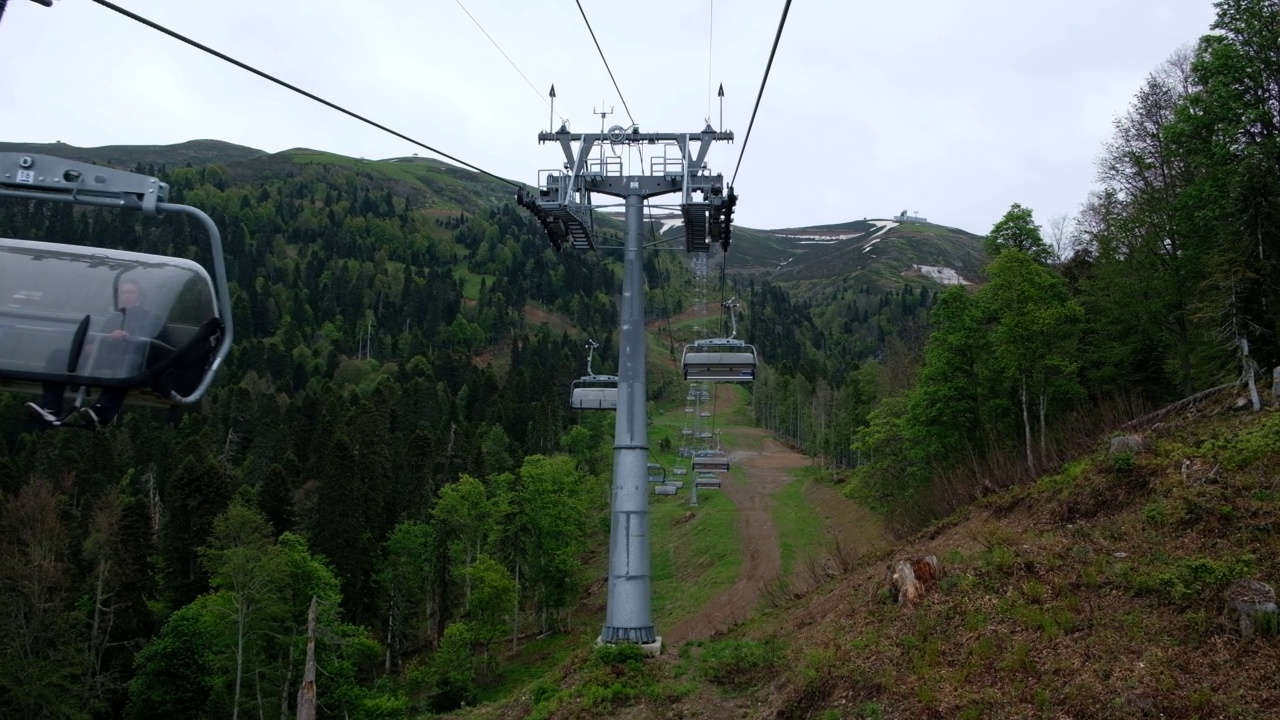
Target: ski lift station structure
<point x="59" y="302"/>
<point x="562" y="205"/>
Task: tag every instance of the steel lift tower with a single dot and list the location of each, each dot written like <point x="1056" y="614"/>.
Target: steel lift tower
<point x="563" y="207"/>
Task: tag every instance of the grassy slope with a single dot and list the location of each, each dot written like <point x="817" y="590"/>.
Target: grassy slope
<point x="695" y="558"/>
<point x="1094" y="592"/>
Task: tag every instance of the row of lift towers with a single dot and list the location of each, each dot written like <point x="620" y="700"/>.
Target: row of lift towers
<point x="562" y="205"/>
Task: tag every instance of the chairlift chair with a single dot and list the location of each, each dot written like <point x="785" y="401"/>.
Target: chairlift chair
<point x="678" y="470"/>
<point x="594" y="392"/>
<point x="714" y="462"/>
<point x="60" y="304"/>
<point x="720" y="359"/>
<point x="707" y="481"/>
<point x="664" y="489"/>
<point x="657" y="473"/>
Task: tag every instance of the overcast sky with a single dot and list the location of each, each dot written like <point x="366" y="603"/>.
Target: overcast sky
<point x="954" y="108"/>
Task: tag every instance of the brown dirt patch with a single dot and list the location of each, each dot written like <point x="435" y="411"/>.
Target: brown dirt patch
<point x="766" y="470"/>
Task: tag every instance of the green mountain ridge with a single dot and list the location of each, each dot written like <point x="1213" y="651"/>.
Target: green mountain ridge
<point x="876" y="257"/>
<point x="876" y="252"/>
<point x="196" y="152"/>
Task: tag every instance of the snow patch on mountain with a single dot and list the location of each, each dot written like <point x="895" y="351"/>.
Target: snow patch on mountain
<point x="941" y="275"/>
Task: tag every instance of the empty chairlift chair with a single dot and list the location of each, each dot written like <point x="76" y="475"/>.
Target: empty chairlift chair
<point x="594" y="392"/>
<point x="714" y="462"/>
<point x="64" y="308"/>
<point x="720" y="359"/>
<point x="657" y="473"/>
<point x="707" y="481"/>
<point x="665" y="489"/>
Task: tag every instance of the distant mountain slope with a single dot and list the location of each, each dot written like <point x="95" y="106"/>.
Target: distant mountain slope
<point x="196" y="152"/>
<point x="876" y="252"/>
<point x="878" y="249"/>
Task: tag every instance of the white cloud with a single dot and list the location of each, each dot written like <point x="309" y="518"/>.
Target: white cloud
<point x="957" y="108"/>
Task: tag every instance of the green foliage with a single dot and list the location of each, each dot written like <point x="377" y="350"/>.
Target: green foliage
<point x="489" y="603"/>
<point x="1258" y="442"/>
<point x="450" y="674"/>
<point x="175" y="676"/>
<point x="739" y="664"/>
<point x="1122" y="463"/>
<point x="1017" y="231"/>
<point x="1184" y="582"/>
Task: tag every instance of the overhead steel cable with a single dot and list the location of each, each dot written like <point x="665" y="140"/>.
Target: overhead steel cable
<point x="760" y="95"/>
<point x="504" y="54"/>
<point x="606" y="62"/>
<point x="266" y="76"/>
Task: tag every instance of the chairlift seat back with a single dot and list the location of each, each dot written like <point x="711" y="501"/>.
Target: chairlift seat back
<point x="49" y="291"/>
<point x="711" y="463"/>
<point x="720" y="366"/>
<point x="594" y="398"/>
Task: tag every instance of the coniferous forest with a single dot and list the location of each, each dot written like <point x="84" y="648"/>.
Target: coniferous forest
<point x="382" y="439"/>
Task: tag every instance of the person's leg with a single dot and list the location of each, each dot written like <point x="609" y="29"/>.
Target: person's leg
<point x="108" y="405"/>
<point x="49" y="409"/>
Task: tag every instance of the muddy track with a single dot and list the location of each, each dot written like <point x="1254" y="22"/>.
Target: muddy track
<point x="766" y="471"/>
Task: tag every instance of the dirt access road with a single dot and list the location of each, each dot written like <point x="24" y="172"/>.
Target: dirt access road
<point x="766" y="470"/>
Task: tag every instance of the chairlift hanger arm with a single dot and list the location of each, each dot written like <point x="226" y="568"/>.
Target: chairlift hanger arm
<point x="44" y="177"/>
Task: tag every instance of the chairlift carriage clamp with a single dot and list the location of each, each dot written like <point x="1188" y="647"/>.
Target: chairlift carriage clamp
<point x="57" y="298"/>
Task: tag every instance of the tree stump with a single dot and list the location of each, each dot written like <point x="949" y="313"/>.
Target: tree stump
<point x="1251" y="603"/>
<point x="910" y="578"/>
<point x="1134" y="443"/>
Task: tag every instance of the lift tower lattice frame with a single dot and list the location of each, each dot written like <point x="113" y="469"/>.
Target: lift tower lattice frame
<point x="563" y="206"/>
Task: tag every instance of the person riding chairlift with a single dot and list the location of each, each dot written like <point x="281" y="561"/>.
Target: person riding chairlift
<point x="125" y="346"/>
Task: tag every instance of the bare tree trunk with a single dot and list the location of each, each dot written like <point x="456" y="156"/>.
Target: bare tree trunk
<point x="515" y="611"/>
<point x="307" y="693"/>
<point x="391" y="626"/>
<point x="240" y="622"/>
<point x="1044" y="455"/>
<point x="284" y="687"/>
<point x="257" y="683"/>
<point x="1249" y="367"/>
<point x="1026" y="426"/>
<point x="96" y="647"/>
